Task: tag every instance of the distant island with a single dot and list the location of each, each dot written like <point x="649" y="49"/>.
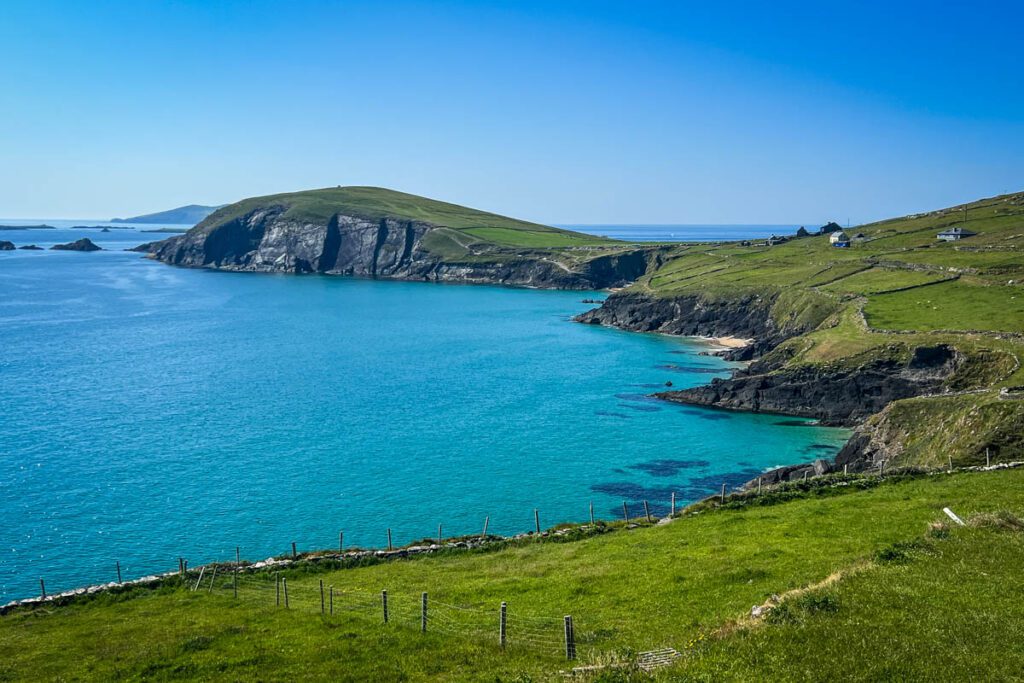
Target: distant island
<point x="27" y="227"/>
<point x="183" y="215"/>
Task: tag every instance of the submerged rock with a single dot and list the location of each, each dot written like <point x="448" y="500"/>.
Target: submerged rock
<point x="84" y="244"/>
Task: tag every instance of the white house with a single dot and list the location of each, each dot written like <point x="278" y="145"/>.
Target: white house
<point x="955" y="234"/>
<point x="839" y="239"/>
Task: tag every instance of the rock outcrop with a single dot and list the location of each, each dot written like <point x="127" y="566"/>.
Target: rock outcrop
<point x="31" y="247"/>
<point x="6" y="246"/>
<point x="84" y="244"/>
<point x="840" y="396"/>
<point x="744" y="316"/>
<point x="265" y="240"/>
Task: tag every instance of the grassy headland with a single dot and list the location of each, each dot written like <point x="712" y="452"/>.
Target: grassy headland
<point x="894" y="290"/>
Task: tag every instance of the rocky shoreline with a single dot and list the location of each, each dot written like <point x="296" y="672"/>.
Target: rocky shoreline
<point x="836" y="396"/>
<point x="266" y="241"/>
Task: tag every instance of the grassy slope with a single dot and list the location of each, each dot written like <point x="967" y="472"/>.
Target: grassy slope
<point x="900" y="280"/>
<point x="649" y="587"/>
<point x="940" y="611"/>
<point x="375" y="203"/>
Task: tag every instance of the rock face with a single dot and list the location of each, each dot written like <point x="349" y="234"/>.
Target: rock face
<point x="84" y="244"/>
<point x="6" y="246"/>
<point x="265" y="241"/>
<point x="747" y="316"/>
<point x="839" y="396"/>
<point x="31" y="247"/>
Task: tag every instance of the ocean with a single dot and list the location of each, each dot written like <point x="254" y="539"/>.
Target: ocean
<point x="151" y="412"/>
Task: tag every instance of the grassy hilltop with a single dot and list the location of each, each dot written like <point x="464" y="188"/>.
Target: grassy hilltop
<point x="465" y="226"/>
<point x="865" y="587"/>
<point x="381" y="233"/>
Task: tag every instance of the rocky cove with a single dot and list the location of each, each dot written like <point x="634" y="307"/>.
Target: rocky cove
<point x="837" y="395"/>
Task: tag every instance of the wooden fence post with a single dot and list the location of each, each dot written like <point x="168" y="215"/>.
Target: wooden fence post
<point x="501" y="627"/>
<point x="423" y="613"/>
<point x="723" y="492"/>
<point x="202" y="570"/>
<point x="647" y="512"/>
<point x="570" y="639"/>
<point x="238" y="556"/>
<point x="384" y="604"/>
<point x="536" y="519"/>
<point x="42" y="588"/>
<point x="759" y="486"/>
<point x="341" y="541"/>
<point x="332" y="600"/>
<point x="277" y="586"/>
<point x="625" y="512"/>
<point x="213" y="578"/>
<point x="591" y="513"/>
<point x="294" y="552"/>
<point x="988" y="458"/>
<point x="484" y="534"/>
<point x="439" y="534"/>
<point x="673" y="511"/>
<point x="950" y="456"/>
<point x="119" y="571"/>
<point x="181" y="566"/>
<point x="284" y="582"/>
<point x="389" y="539"/>
<point x="322" y="610"/>
<point x="846" y="469"/>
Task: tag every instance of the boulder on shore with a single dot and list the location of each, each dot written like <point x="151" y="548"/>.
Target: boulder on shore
<point x="6" y="246"/>
<point x="84" y="244"/>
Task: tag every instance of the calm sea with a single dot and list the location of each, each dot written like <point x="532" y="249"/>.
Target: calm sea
<point x="151" y="412"/>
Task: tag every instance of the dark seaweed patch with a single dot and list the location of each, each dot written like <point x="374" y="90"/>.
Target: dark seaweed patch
<point x="667" y="468"/>
<point x="821" y="447"/>
<point x="692" y="369"/>
<point x="639" y="398"/>
<point x="795" y="423"/>
<point x="642" y="409"/>
<point x="608" y="413"/>
<point x="707" y="414"/>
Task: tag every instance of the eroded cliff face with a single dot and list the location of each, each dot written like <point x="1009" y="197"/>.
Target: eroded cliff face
<point x="835" y="396"/>
<point x="747" y="316"/>
<point x="266" y="241"/>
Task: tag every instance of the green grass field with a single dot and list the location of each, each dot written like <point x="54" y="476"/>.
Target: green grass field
<point x="958" y="305"/>
<point x="628" y="591"/>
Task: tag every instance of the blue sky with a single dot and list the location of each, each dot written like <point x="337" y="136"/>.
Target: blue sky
<point x="560" y="112"/>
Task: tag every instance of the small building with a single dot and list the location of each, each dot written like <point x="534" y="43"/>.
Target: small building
<point x="955" y="234"/>
<point x="860" y="237"/>
<point x="839" y="239"/>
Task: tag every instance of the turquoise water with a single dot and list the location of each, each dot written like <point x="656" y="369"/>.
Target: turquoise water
<point x="150" y="412"/>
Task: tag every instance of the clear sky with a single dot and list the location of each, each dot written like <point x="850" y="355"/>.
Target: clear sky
<point x="560" y="112"/>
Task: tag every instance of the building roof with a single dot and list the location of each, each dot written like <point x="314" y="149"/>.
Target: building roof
<point x="957" y="232"/>
<point x="838" y="237"/>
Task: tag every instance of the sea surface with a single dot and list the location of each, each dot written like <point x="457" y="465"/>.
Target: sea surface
<point x="685" y="232"/>
<point x="149" y="412"/>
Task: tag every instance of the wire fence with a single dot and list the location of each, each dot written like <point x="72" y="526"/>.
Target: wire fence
<point x="501" y="626"/>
